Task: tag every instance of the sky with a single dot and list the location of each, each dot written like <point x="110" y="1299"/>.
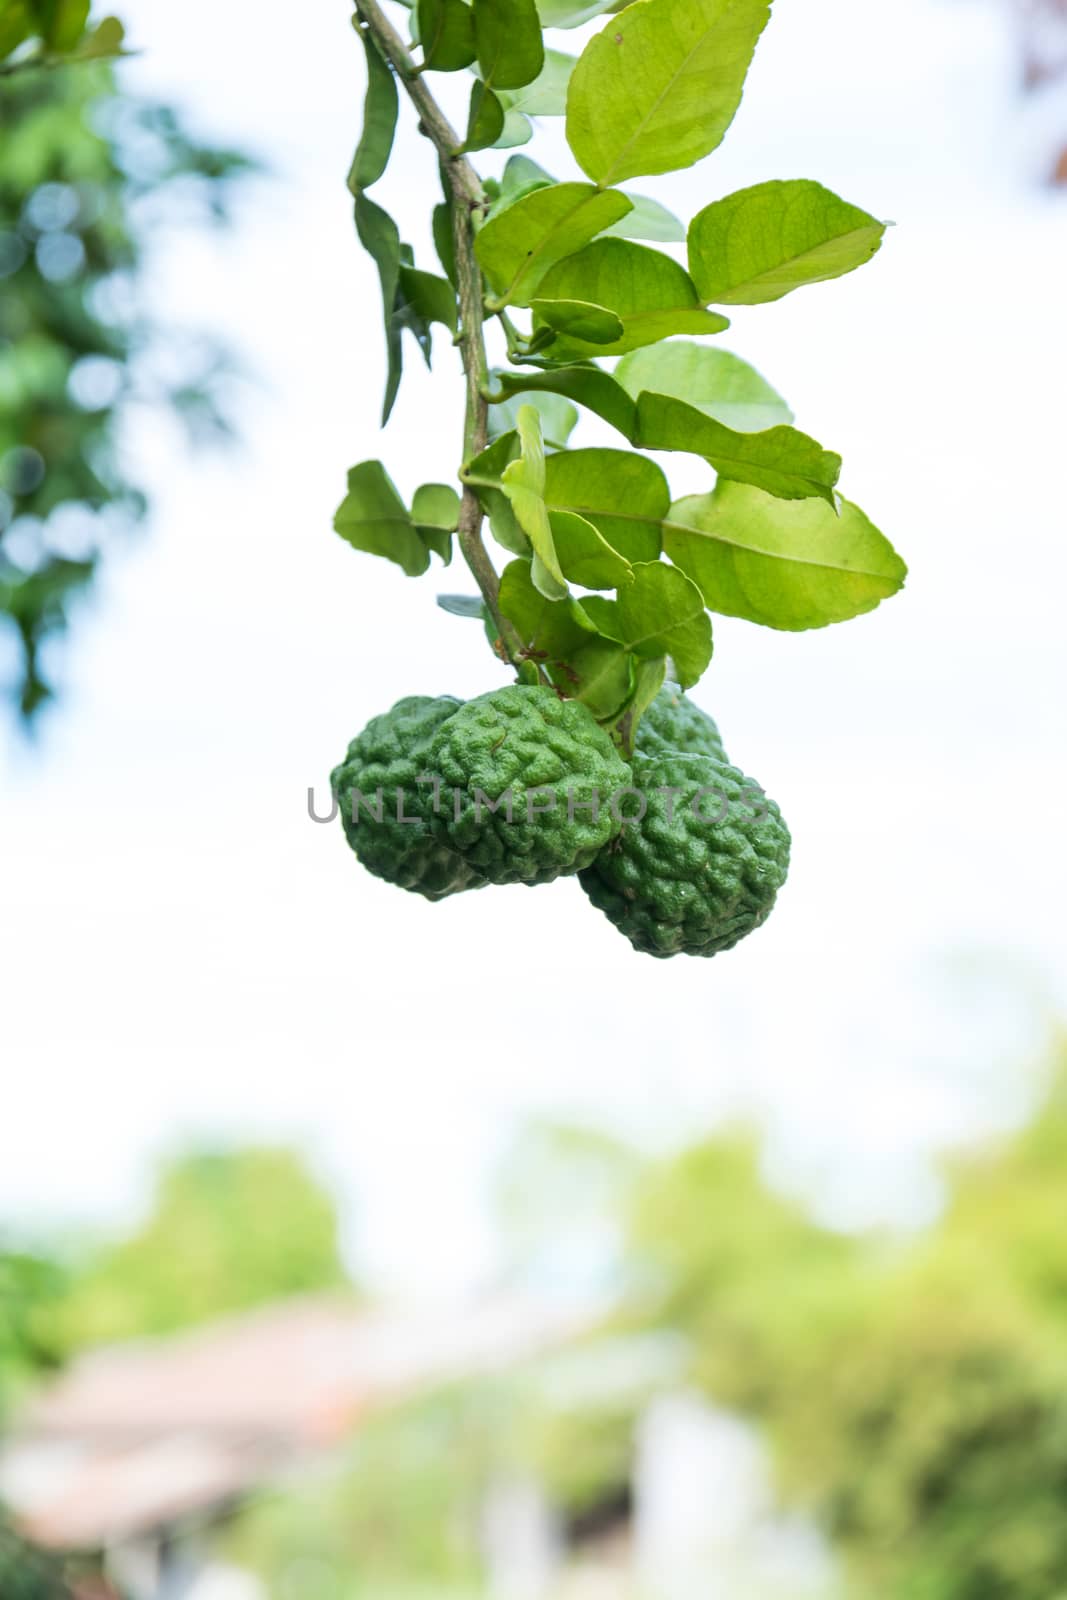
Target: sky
<point x="186" y="955"/>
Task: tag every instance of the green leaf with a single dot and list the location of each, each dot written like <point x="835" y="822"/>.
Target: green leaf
<point x="485" y="474"/>
<point x="545" y="579"/>
<point x="425" y="298"/>
<point x="489" y="465"/>
<point x="658" y="87"/>
<point x="783" y="461"/>
<point x="601" y="676"/>
<point x="520" y="177"/>
<point x="651" y="295"/>
<point x="647" y="220"/>
<point x="65" y="25"/>
<point x="16" y="25"/>
<point x="546" y="96"/>
<point x="558" y="418"/>
<point x="524" y="484"/>
<point x="603" y="614"/>
<point x="104" y="42"/>
<point x="790" y="565"/>
<point x="435" y="513"/>
<point x="463" y="605"/>
<point x="436" y="505"/>
<point x="380" y="238"/>
<point x="570" y="13"/>
<point x="517" y="129"/>
<point x="584" y="557"/>
<point x="587" y="386"/>
<point x="379" y="121"/>
<point x="758" y="244"/>
<point x="560" y="635"/>
<point x="649" y="679"/>
<point x="715" y="382"/>
<point x="444" y="240"/>
<point x="485" y="120"/>
<point x="373" y="517"/>
<point x="439" y="542"/>
<point x="446" y="32"/>
<point x="651" y="676"/>
<point x="421" y="300"/>
<point x="533" y="347"/>
<point x="406" y="316"/>
<point x="554" y="629"/>
<point x="624" y="496"/>
<point x="518" y="246"/>
<point x="507" y="34"/>
<point x="505" y="527"/>
<point x="661" y="613"/>
<point x="577" y="319"/>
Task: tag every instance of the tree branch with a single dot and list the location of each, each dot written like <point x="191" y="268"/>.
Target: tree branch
<point x="468" y="198"/>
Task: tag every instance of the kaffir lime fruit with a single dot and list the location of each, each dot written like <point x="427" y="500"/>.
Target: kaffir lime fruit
<point x="674" y="723"/>
<point x="701" y="868"/>
<point x="527" y="783"/>
<point x="386" y="812"/>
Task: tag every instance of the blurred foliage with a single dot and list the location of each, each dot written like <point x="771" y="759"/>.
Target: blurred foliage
<point x="1006" y="1201"/>
<point x="914" y="1391"/>
<point x="402" y="1514"/>
<point x="916" y="1396"/>
<point x="27" y="1574"/>
<point x="582" y="1454"/>
<point x="85" y="175"/>
<point x="30" y="1286"/>
<point x="931" y="1436"/>
<point x="401" y="1510"/>
<point x="713" y="1248"/>
<point x="33" y="32"/>
<point x="228" y="1230"/>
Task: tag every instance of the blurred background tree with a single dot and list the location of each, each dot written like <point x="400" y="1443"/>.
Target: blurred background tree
<point x="227" y="1230"/>
<point x="29" y="1286"/>
<point x="398" y="1516"/>
<point x="85" y="174"/>
<point x="27" y="1574"/>
<point x="914" y="1392"/>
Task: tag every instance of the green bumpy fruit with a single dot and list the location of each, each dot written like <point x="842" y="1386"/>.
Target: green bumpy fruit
<point x="703" y="866"/>
<point x="673" y="723"/>
<point x="553" y="760"/>
<point x="383" y="765"/>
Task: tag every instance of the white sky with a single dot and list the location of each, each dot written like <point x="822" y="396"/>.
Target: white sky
<point x="184" y="952"/>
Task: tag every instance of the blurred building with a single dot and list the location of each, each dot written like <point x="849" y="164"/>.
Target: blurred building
<point x="139" y="1452"/>
<point x="132" y="1461"/>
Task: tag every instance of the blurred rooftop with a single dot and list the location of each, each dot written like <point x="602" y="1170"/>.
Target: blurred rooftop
<point x="135" y="1438"/>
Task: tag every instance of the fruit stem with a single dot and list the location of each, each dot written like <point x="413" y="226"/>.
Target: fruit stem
<point x="468" y="201"/>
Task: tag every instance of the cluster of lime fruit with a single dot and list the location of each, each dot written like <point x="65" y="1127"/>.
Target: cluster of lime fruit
<point x="682" y="852"/>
